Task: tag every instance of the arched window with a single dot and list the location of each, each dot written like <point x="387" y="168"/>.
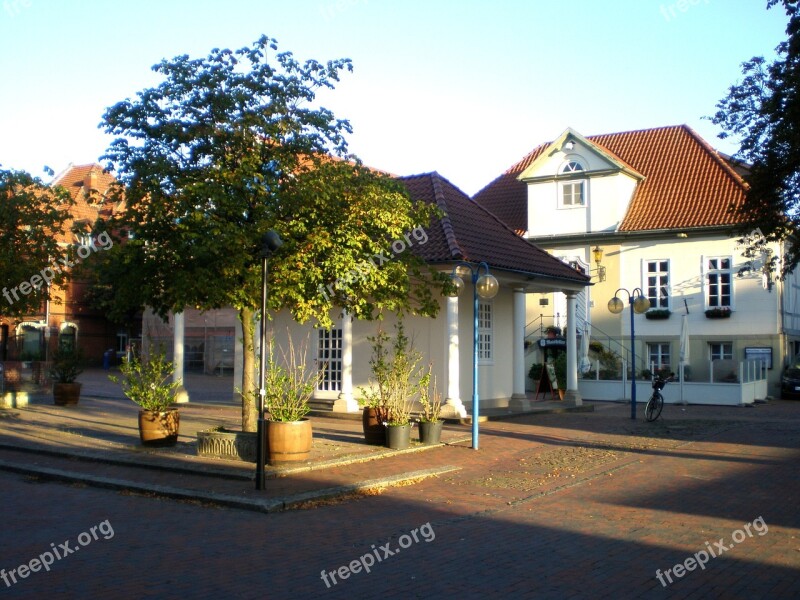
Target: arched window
<point x="572" y="166"/>
<point x="572" y="192"/>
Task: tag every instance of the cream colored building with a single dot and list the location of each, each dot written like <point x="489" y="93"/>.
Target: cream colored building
<point x="654" y="207"/>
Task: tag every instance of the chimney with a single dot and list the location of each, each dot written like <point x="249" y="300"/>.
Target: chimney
<point x="90" y="183"/>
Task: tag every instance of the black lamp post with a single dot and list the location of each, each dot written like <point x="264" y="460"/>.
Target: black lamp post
<point x="639" y="304"/>
<point x="485" y="286"/>
<point x="269" y="244"/>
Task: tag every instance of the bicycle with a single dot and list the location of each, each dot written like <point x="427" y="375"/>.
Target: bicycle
<point x="656" y="402"/>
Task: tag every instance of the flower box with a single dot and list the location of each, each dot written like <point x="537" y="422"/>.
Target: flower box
<point x="718" y="313"/>
<point x="657" y="314"/>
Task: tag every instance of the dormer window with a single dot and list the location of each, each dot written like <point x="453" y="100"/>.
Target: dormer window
<point x="572" y="193"/>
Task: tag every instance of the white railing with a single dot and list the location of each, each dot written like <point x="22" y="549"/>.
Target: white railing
<point x="751" y="386"/>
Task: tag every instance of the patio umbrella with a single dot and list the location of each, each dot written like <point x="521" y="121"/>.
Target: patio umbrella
<point x="684" y="352"/>
<point x="585" y="365"/>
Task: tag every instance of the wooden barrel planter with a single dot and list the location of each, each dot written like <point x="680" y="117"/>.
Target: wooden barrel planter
<point x="66" y="394"/>
<point x="159" y="428"/>
<point x="288" y="442"/>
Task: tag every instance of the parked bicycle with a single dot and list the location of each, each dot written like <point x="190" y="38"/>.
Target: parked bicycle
<point x="656" y="402"/>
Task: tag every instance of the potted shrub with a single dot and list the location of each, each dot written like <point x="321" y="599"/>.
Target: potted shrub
<point x="395" y="382"/>
<point x="374" y="400"/>
<point x="149" y="384"/>
<point x="535" y="372"/>
<point x="65" y="368"/>
<point x="430" y="425"/>
<point x="289" y="384"/>
<point x="552" y="332"/>
<point x="719" y="312"/>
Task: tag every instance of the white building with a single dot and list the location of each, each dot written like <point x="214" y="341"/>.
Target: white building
<point x="655" y="206"/>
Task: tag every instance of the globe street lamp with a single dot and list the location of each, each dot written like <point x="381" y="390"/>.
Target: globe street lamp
<point x="269" y="244"/>
<point x="484" y="286"/>
<point x="639" y="304"/>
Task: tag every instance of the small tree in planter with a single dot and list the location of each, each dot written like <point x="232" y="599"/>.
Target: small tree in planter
<point x="289" y="385"/>
<point x="67" y="364"/>
<point x="430" y="425"/>
<point x="149" y="384"/>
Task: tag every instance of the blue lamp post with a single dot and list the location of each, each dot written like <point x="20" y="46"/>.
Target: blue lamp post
<point x="484" y="286"/>
<point x="639" y="304"/>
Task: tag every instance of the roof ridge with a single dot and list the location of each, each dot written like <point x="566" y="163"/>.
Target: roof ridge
<point x="447" y="226"/>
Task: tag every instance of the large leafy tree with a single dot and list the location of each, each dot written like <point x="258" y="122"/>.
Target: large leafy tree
<point x="230" y="146"/>
<point x="763" y="112"/>
<point x="33" y="216"/>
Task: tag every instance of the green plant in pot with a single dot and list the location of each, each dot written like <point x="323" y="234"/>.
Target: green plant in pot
<point x="395" y="383"/>
<point x="430" y="425"/>
<point x="67" y="364"/>
<point x="289" y="383"/>
<point x="149" y="384"/>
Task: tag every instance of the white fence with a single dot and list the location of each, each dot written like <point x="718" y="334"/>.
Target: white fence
<point x="752" y="386"/>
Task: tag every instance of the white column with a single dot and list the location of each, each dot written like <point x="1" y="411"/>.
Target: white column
<point x="178" y="328"/>
<point x="519" y="400"/>
<point x="453" y="407"/>
<point x="572" y="394"/>
<point x="345" y="402"/>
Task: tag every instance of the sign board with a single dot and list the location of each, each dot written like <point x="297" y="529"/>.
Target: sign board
<point x="547" y="381"/>
<point x="763" y="354"/>
<point x="551" y="375"/>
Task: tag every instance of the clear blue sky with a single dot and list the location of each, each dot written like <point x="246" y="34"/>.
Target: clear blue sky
<point x="464" y="87"/>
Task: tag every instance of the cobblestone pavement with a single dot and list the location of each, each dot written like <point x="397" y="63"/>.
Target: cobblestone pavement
<point x="585" y="505"/>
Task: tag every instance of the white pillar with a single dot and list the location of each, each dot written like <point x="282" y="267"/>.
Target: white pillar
<point x="519" y="400"/>
<point x="178" y="328"/>
<point x="572" y="394"/>
<point x="345" y="402"/>
<point x="453" y="407"/>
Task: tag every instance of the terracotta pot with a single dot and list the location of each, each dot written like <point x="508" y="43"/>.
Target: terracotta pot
<point x="374" y="431"/>
<point x="159" y="428"/>
<point x="66" y="394"/>
<point x="289" y="441"/>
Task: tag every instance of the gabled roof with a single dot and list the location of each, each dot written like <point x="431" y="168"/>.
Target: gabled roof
<point x="687" y="183"/>
<point x="469" y="232"/>
<point x="88" y="185"/>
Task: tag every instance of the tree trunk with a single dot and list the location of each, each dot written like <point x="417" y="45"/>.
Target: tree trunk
<point x="249" y="384"/>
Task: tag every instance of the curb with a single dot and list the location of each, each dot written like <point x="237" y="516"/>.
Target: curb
<point x="264" y="505"/>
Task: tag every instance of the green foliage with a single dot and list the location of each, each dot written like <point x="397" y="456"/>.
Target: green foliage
<point x="560" y="365"/>
<point x="32" y="215"/>
<point x="288" y="381"/>
<point x="148" y="382"/>
<point x="67" y="364"/>
<point x="763" y="112"/>
<point x="429" y="397"/>
<point x="535" y="372"/>
<point x="397" y="376"/>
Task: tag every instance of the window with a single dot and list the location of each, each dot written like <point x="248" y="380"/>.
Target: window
<point x="721" y="350"/>
<point x="572" y="192"/>
<point x="719" y="282"/>
<point x="658" y="356"/>
<point x="485" y="349"/>
<point x="329" y="359"/>
<point x="656" y="278"/>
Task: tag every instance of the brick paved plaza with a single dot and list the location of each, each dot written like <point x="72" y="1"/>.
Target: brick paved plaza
<point x="570" y="505"/>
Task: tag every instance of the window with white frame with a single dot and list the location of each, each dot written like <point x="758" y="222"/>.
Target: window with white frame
<point x="572" y="193"/>
<point x="329" y="360"/>
<point x="719" y="281"/>
<point x="656" y="282"/>
<point x="721" y="350"/>
<point x="658" y="356"/>
<point x="485" y="339"/>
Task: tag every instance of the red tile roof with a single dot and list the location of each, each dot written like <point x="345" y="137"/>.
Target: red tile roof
<point x="687" y="183"/>
<point x="469" y="232"/>
<point x="89" y="204"/>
